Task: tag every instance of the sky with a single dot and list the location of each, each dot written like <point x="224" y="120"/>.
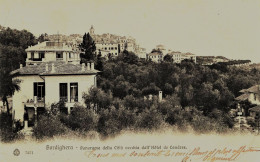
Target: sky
<point x="229" y="28"/>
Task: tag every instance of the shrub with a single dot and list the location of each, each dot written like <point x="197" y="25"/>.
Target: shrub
<point x="81" y="118"/>
<point x="114" y="120"/>
<point x="149" y="119"/>
<point x="7" y="133"/>
<point x="49" y="126"/>
<point x="108" y="123"/>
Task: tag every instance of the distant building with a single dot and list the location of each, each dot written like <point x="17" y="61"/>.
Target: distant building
<point x="178" y="57"/>
<point x="107" y="49"/>
<point x="112" y="45"/>
<point x="51" y="51"/>
<point x="155" y="57"/>
<point x="251" y="95"/>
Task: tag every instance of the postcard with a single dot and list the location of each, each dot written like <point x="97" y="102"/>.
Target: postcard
<point x="112" y="80"/>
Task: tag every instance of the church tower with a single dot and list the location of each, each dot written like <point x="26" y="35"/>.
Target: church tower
<point x="92" y="30"/>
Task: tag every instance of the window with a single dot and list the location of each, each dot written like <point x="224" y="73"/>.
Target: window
<point x="59" y="55"/>
<point x="73" y="92"/>
<point x="112" y="48"/>
<point x="39" y="90"/>
<point x="115" y="48"/>
<point x="105" y="48"/>
<point x="32" y="55"/>
<point x="41" y="55"/>
<point x="69" y="55"/>
<point x="64" y="92"/>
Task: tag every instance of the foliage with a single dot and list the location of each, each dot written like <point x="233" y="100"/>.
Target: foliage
<point x="87" y="48"/>
<point x="149" y="119"/>
<point x="7" y="134"/>
<point x="81" y="118"/>
<point x="43" y="37"/>
<point x="48" y="127"/>
<point x="97" y="99"/>
<point x="112" y="121"/>
<point x="128" y="57"/>
<point x="168" y="58"/>
<point x="12" y="53"/>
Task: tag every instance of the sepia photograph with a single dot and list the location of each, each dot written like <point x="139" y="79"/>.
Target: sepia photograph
<point x="128" y="80"/>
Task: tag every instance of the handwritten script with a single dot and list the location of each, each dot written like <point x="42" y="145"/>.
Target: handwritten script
<point x="224" y="154"/>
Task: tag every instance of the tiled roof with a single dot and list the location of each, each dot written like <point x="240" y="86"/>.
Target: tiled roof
<point x="253" y="89"/>
<point x="255" y="109"/>
<point x="242" y="97"/>
<point x="49" y="46"/>
<point x="61" y="68"/>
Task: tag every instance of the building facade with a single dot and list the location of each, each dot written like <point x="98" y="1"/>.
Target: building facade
<point x="178" y="57"/>
<point x="251" y="95"/>
<point x="50" y="81"/>
<point x="155" y="57"/>
<point x="112" y="45"/>
<point x="51" y="51"/>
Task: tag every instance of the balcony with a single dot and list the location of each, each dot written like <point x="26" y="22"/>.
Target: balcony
<point x="64" y="99"/>
<point x="59" y="59"/>
<point x="36" y="102"/>
<point x="73" y="98"/>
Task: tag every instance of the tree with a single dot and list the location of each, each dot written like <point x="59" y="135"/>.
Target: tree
<point x="12" y="53"/>
<point x="8" y="86"/>
<point x="16" y="38"/>
<point x="43" y="37"/>
<point x="168" y="58"/>
<point x="128" y="57"/>
<point x="99" y="62"/>
<point x="88" y="48"/>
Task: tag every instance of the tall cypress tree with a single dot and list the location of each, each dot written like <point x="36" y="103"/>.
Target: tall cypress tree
<point x="87" y="48"/>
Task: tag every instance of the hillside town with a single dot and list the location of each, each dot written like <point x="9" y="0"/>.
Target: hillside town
<point x="84" y="75"/>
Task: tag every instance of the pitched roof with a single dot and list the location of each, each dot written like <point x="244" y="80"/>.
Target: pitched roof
<point x="242" y="97"/>
<point x="253" y="89"/>
<point x="61" y="68"/>
<point x="255" y="109"/>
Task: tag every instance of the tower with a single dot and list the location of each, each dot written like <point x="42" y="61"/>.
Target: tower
<point x="92" y="30"/>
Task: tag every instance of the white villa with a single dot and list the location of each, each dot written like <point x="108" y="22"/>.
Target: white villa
<point x="51" y="51"/>
<point x="155" y="57"/>
<point x="56" y="75"/>
<point x="252" y="95"/>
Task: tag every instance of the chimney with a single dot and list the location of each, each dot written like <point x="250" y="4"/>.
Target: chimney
<point x="88" y="66"/>
<point x="92" y="66"/>
<point x="46" y="68"/>
<point x="52" y="68"/>
<point x="83" y="67"/>
<point x="160" y="96"/>
<point x="21" y="66"/>
<point x="25" y="124"/>
<point x="150" y="97"/>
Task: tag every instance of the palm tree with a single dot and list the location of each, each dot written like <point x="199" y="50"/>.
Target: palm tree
<point x="8" y="85"/>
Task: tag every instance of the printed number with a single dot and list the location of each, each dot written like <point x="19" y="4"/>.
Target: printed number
<point x="29" y="152"/>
